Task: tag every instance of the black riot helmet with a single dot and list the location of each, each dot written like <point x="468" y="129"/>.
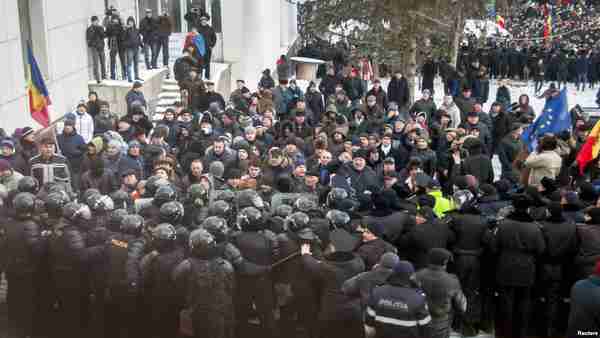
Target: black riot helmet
<point x="335" y="196"/>
<point x="171" y="212"/>
<point x="24" y="203"/>
<point x="225" y="195"/>
<point x="121" y="199"/>
<point x="74" y="211"/>
<point x="283" y="210"/>
<point x="197" y="195"/>
<point x="202" y="244"/>
<point x="250" y="219"/>
<point x="132" y="225"/>
<point x="55" y="202"/>
<point x="217" y="226"/>
<point x="163" y="195"/>
<point x="164" y="236"/>
<point x="152" y="185"/>
<point x="88" y="196"/>
<point x="116" y="219"/>
<point x="297" y="221"/>
<point x="249" y="198"/>
<point x="101" y="203"/>
<point x="305" y="204"/>
<point x="220" y="208"/>
<point x="338" y="219"/>
<point x="28" y="184"/>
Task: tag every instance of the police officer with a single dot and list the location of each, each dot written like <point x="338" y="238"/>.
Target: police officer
<point x="444" y="294"/>
<point x="207" y="282"/>
<point x="68" y="257"/>
<point x="97" y="235"/>
<point x="398" y="308"/>
<point x="173" y="213"/>
<point x="472" y="237"/>
<point x="151" y="212"/>
<point x="297" y="296"/>
<point x="123" y="280"/>
<point x="22" y="250"/>
<point x="157" y="268"/>
<point x="276" y="222"/>
<point x="259" y="246"/>
<point x="195" y="205"/>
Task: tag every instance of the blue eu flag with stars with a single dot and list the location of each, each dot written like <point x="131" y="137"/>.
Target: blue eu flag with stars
<point x="554" y="119"/>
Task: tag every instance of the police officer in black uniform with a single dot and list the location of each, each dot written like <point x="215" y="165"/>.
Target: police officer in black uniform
<point x="123" y="279"/>
<point x="297" y="296"/>
<point x="157" y="268"/>
<point x="69" y="255"/>
<point x="22" y="250"/>
<point x="207" y="282"/>
<point x="259" y="246"/>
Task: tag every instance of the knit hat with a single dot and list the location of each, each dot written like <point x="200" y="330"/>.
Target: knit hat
<point x="8" y="143"/>
<point x="439" y="256"/>
<point x="69" y="122"/>
<point x="376" y="228"/>
<point x="134" y="143"/>
<point x="389" y="260"/>
<point x="5" y="165"/>
<point x="404" y="270"/>
<point x="362" y="153"/>
<point x="26" y="131"/>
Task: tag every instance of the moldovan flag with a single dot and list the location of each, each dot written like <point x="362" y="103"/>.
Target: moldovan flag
<point x="39" y="100"/>
<point x="500" y="21"/>
<point x="589" y="151"/>
<point x="548" y="27"/>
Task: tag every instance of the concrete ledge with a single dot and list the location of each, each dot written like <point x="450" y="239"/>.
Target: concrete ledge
<point x="114" y="92"/>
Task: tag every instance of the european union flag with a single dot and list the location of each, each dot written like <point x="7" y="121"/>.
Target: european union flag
<point x="554" y="118"/>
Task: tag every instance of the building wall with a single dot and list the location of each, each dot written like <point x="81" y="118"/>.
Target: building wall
<point x="67" y="61"/>
<point x="255" y="34"/>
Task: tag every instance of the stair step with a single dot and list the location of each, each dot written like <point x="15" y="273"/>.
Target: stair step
<point x="170" y="88"/>
<point x="168" y="95"/>
<point x="166" y="102"/>
<point x="170" y="82"/>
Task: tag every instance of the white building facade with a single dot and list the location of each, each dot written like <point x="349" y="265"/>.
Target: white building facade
<point x="252" y="35"/>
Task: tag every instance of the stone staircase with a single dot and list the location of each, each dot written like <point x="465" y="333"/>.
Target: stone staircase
<point x="168" y="96"/>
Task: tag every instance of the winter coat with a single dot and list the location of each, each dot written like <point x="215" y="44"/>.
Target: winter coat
<point x="422" y="106"/>
<point x="444" y="294"/>
<point x="544" y="164"/>
<point x="428" y="159"/>
<point x="454" y="112"/>
<point x="561" y="248"/>
<point x="380" y="95"/>
<point x="95" y="37"/>
<point x="503" y="97"/>
<point x="394" y="224"/>
<point x="72" y="147"/>
<point x="354" y="88"/>
<point x="423" y="237"/>
<point x="371" y="251"/>
<point x="331" y="273"/>
<point x="165" y="26"/>
<point x="412" y="319"/>
<point x="105" y="183"/>
<point x="129" y="162"/>
<point x="588" y="236"/>
<point x="479" y="166"/>
<point x="314" y="101"/>
<point x="149" y="29"/>
<point x="362" y="284"/>
<point x="133" y="96"/>
<point x="581" y="65"/>
<point x="585" y="306"/>
<point x="22" y="247"/>
<point x="519" y="243"/>
<point x="465" y="105"/>
<point x="328" y="84"/>
<point x="132" y="38"/>
<point x="362" y="181"/>
<point x="501" y="124"/>
<point x="508" y="150"/>
<point x="398" y="91"/>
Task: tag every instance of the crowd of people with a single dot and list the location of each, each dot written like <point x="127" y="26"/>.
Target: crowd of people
<point x="125" y="40"/>
<point x="340" y="211"/>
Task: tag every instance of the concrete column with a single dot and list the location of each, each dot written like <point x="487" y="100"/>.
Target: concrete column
<point x="292" y="22"/>
<point x="261" y="43"/>
<point x="234" y="26"/>
<point x="284" y="15"/>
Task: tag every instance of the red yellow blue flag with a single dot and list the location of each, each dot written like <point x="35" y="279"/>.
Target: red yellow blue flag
<point x="39" y="100"/>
